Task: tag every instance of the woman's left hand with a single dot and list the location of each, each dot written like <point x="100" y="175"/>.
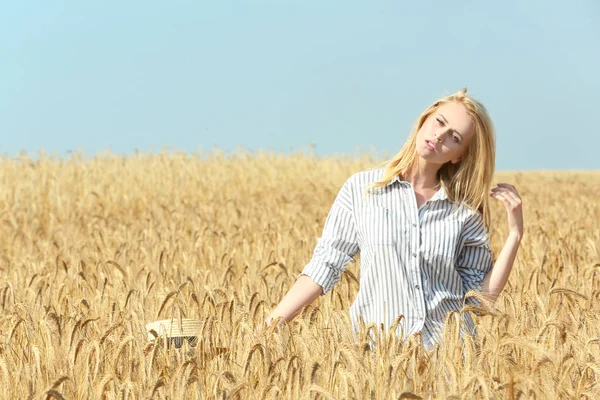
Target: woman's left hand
<point x="508" y="195"/>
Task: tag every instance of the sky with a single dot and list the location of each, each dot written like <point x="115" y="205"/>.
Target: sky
<point x="336" y="77"/>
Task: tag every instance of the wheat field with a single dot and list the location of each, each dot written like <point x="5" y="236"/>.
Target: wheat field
<point x="92" y="249"/>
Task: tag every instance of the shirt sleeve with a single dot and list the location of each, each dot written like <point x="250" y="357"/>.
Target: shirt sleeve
<point x="476" y="258"/>
<point x="336" y="246"/>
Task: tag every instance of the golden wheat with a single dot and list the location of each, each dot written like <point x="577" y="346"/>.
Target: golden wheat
<point x="94" y="249"/>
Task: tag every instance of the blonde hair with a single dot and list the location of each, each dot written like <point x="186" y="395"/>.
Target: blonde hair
<point x="468" y="182"/>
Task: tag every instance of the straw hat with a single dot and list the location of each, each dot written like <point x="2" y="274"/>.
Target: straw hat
<point x="180" y="330"/>
<point x="177" y="330"/>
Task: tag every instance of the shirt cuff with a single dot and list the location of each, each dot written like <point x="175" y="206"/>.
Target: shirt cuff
<point x="320" y="274"/>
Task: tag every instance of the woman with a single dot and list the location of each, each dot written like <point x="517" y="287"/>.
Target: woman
<point x="421" y="225"/>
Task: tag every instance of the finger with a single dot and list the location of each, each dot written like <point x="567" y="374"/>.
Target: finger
<point x="500" y="190"/>
<point x="508" y="188"/>
<point x="515" y="200"/>
<point x="502" y="197"/>
<point x="497" y="195"/>
<point x="513" y="193"/>
<point x="507" y="199"/>
<point x="505" y="202"/>
<point x="504" y="189"/>
<point x="506" y="185"/>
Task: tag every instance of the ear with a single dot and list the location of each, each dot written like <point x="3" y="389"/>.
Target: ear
<point x="456" y="161"/>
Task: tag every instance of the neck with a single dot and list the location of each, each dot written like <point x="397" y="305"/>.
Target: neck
<point x="423" y="174"/>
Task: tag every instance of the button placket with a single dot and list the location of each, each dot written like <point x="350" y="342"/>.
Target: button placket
<point x="420" y="298"/>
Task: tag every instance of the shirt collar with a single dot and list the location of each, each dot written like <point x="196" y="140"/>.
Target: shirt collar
<point x="439" y="195"/>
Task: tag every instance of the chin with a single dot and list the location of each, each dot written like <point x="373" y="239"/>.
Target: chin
<point x="426" y="155"/>
<point x="432" y="159"/>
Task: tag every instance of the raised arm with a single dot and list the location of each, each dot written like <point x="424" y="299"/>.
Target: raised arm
<point x="475" y="264"/>
<point x="494" y="281"/>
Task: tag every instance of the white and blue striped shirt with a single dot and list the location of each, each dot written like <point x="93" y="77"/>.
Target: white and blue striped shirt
<point x="418" y="263"/>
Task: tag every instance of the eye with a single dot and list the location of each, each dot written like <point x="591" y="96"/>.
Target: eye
<point x="439" y="121"/>
<point x="456" y="138"/>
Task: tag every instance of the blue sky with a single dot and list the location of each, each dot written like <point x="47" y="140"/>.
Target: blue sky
<point x="347" y="76"/>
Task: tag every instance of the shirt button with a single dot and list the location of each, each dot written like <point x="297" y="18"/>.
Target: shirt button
<point x="414" y="225"/>
<point x="414" y="254"/>
<point x="417" y="287"/>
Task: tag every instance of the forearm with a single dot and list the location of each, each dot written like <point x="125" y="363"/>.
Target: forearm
<point x="493" y="283"/>
<point x="304" y="291"/>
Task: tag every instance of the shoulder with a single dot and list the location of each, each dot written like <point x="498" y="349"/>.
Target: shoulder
<point x="351" y="191"/>
<point x="468" y="217"/>
<point x="474" y="230"/>
<point x="473" y="217"/>
<point x="360" y="180"/>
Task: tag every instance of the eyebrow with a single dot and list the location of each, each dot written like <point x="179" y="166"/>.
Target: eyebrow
<point x="460" y="134"/>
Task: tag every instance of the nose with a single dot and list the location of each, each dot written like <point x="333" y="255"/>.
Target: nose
<point x="439" y="135"/>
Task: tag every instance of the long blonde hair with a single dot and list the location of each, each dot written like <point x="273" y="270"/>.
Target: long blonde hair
<point x="468" y="182"/>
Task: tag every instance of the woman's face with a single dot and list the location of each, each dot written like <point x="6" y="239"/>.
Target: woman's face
<point x="445" y="134"/>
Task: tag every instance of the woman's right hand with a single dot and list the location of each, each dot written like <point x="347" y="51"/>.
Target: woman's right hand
<point x="303" y="292"/>
<point x="270" y="320"/>
<point x="266" y="325"/>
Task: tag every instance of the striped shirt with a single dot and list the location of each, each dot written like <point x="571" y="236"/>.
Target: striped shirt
<point x="415" y="262"/>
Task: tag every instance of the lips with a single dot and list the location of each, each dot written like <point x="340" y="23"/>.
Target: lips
<point x="429" y="145"/>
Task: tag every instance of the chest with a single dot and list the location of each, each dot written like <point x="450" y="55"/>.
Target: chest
<point x="423" y="195"/>
<point x="409" y="221"/>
